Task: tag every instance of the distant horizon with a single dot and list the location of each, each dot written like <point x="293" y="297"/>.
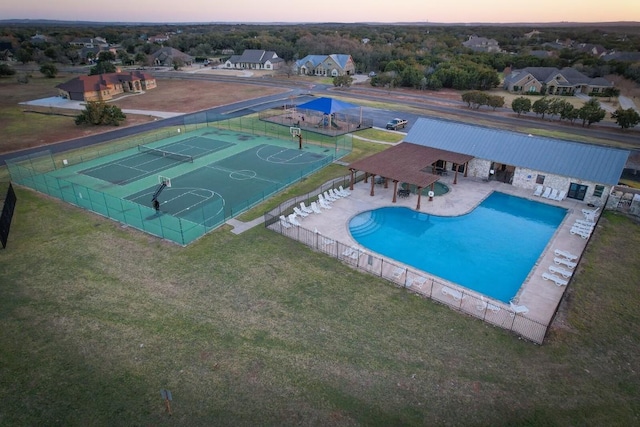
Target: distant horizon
<point x="463" y="12"/>
<point x="548" y="23"/>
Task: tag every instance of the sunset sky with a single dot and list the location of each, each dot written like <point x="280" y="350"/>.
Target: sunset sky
<point x="455" y="11"/>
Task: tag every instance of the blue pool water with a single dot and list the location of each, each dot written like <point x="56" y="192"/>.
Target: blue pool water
<point x="490" y="250"/>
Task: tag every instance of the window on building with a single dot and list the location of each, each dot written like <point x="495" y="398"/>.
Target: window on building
<point x="577" y="191"/>
<point x="540" y="179"/>
<point x="597" y="192"/>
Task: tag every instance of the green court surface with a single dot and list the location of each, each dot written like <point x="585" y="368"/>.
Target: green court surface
<point x="214" y="174"/>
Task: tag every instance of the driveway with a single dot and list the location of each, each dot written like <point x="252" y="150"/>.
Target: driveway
<point x="626" y="103"/>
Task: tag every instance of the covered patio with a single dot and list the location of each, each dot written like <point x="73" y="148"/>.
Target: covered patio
<point x="411" y="164"/>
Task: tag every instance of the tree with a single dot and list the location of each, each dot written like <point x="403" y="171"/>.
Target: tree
<point x="611" y="92"/>
<point x="342" y="81"/>
<point x="591" y="112"/>
<point x="177" y="63"/>
<point x="626" y="118"/>
<point x="541" y="106"/>
<point x="49" y="70"/>
<point x="23" y="55"/>
<point x="6" y="70"/>
<point x="102" y="67"/>
<point x="100" y="113"/>
<point x="475" y="99"/>
<point x="521" y="105"/>
<point x="495" y="101"/>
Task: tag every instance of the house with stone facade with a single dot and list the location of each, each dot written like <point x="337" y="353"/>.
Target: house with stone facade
<point x="325" y="65"/>
<point x="552" y="81"/>
<point x="254" y="59"/>
<point x="103" y="87"/>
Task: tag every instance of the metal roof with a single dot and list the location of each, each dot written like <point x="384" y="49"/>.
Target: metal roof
<point x="578" y="160"/>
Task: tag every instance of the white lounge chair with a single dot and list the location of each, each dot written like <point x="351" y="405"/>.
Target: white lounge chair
<point x="557" y="280"/>
<point x="335" y="194"/>
<point x="292" y="219"/>
<point x="343" y="191"/>
<point x="398" y="272"/>
<point x="329" y="197"/>
<point x="561" y="195"/>
<point x="283" y="222"/>
<point x="305" y="208"/>
<point x="418" y="280"/>
<point x="546" y="193"/>
<point x="315" y="208"/>
<point x="585" y="223"/>
<point x="585" y="227"/>
<point x="300" y="213"/>
<point x="538" y="191"/>
<point x="483" y="305"/>
<point x="580" y="232"/>
<point x="554" y="194"/>
<point x="567" y="255"/>
<point x="456" y="295"/>
<point x="518" y="309"/>
<point x="561" y="271"/>
<point x="565" y="262"/>
<point x="323" y="203"/>
<point x="322" y="198"/>
<point x="590" y="211"/>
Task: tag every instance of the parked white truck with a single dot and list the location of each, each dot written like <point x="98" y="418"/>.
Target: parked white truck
<point x="395" y="124"/>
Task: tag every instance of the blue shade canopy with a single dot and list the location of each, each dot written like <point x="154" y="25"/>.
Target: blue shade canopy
<point x="327" y="105"/>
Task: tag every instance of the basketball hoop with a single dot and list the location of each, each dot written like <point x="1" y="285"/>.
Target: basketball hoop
<point x="294" y="131"/>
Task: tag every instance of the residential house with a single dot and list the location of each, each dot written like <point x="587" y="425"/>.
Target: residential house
<point x="254" y="59"/>
<point x="158" y="38"/>
<point x="592" y="49"/>
<point x="584" y="172"/>
<point x="166" y="56"/>
<point x="102" y="87"/>
<point x="482" y="44"/>
<point x="552" y="81"/>
<point x="90" y="42"/>
<point x="326" y="65"/>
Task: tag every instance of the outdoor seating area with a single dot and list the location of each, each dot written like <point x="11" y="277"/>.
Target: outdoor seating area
<point x="549" y="193"/>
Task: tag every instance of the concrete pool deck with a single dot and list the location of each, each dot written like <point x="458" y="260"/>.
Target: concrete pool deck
<point x="540" y="296"/>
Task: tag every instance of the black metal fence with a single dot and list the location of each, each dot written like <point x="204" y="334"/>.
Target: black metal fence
<point x="495" y="313"/>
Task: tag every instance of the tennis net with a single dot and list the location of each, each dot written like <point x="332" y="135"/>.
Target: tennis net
<point x="163" y="153"/>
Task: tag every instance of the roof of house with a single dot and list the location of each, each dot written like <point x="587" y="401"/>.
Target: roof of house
<point x="315" y="60"/>
<point x="407" y="162"/>
<point x="100" y="81"/>
<point x="578" y="160"/>
<point x="255" y="56"/>
<point x="169" y="52"/>
<point x="547" y="74"/>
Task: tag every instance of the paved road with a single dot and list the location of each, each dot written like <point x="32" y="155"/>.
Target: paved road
<point x="304" y="92"/>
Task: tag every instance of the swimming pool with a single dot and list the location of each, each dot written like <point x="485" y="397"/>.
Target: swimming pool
<point x="490" y="250"/>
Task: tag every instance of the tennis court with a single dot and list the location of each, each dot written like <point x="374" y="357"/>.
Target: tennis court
<point x="213" y="174"/>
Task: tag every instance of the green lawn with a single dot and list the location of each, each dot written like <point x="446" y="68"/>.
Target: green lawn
<point x="256" y="329"/>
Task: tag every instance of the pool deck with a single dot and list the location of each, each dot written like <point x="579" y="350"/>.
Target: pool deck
<point x="540" y="296"/>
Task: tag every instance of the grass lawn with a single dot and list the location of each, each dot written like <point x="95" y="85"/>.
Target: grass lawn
<point x="256" y="329"/>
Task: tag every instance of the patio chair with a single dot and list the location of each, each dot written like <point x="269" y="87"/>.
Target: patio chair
<point x="561" y="195"/>
<point x="547" y="192"/>
<point x="299" y="213"/>
<point x="343" y="191"/>
<point x="567" y="255"/>
<point x="334" y="194"/>
<point x="561" y="271"/>
<point x="557" y="280"/>
<point x="418" y="280"/>
<point x="483" y="305"/>
<point x="315" y="208"/>
<point x="579" y="231"/>
<point x="554" y="194"/>
<point x="305" y="208"/>
<point x="538" y="191"/>
<point x="323" y="203"/>
<point x="456" y="295"/>
<point x="565" y="262"/>
<point x="283" y="222"/>
<point x="292" y="219"/>
<point x="329" y="197"/>
<point x="518" y="309"/>
<point x="322" y="198"/>
<point x="398" y="272"/>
